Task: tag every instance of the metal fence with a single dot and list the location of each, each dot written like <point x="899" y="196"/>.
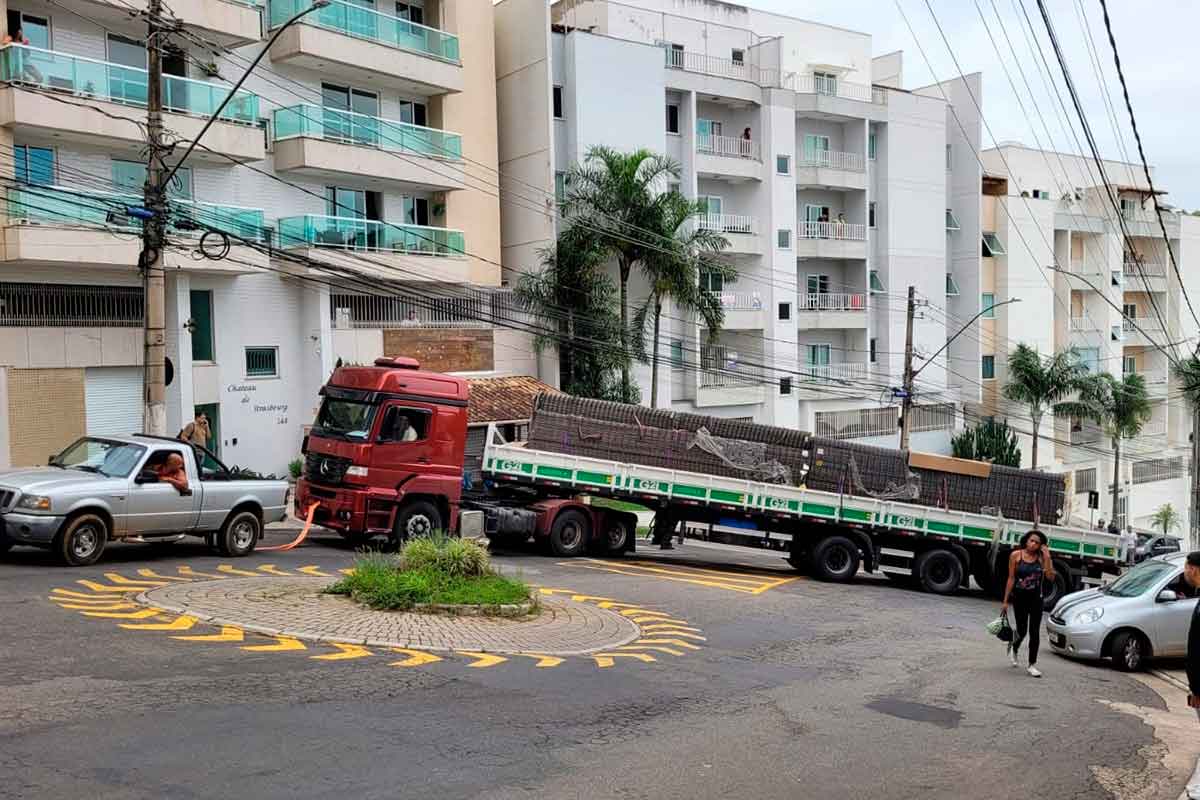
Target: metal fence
<point x="857" y="423"/>
<point x="1160" y="469"/>
<point x="723" y="366"/>
<point x="1085" y="480"/>
<point x="470" y="308"/>
<point x="57" y="306"/>
<point x="937" y="417"/>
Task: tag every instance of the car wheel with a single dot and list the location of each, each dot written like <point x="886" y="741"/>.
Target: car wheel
<point x="569" y="533"/>
<point x="1130" y="651"/>
<point x="939" y="571"/>
<point x="419" y="518"/>
<point x="836" y="558"/>
<point x="240" y="534"/>
<point x="81" y="541"/>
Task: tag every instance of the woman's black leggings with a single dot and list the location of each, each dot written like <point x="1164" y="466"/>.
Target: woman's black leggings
<point x="1028" y="608"/>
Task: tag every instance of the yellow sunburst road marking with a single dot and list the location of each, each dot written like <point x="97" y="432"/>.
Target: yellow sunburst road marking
<point x="149" y="573"/>
<point x="228" y="570"/>
<point x="121" y="580"/>
<point x="191" y="573"/>
<point x="676" y="632"/>
<point x="744" y="582"/>
<point x="184" y="623"/>
<point x="640" y="620"/>
<point x="63" y="596"/>
<point x="483" y="660"/>
<point x="96" y="606"/>
<point x="655" y="647"/>
<point x="606" y="660"/>
<point x="315" y="572"/>
<point x="416" y="658"/>
<point x="583" y="598"/>
<point x="105" y="588"/>
<point x="228" y="634"/>
<point x="145" y="613"/>
<point x="345" y="652"/>
<point x="347" y="571"/>
<point x="641" y="612"/>
<point x="282" y="644"/>
<point x="672" y="642"/>
<point x="271" y="569"/>
<point x="543" y="661"/>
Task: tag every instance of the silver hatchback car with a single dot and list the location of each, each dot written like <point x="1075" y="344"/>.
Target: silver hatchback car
<point x="1143" y="614"/>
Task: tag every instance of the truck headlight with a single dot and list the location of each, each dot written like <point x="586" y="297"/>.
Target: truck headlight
<point x="1089" y="616"/>
<point x="34" y="502"/>
<point x="356" y="472"/>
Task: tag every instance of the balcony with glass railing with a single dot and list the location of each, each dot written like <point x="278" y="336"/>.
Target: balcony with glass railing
<point x="329" y="142"/>
<point x="367" y="235"/>
<point x="343" y="39"/>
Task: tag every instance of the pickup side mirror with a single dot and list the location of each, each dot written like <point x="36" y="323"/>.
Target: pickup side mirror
<point x="50" y="460"/>
<point x="146" y="476"/>
<point x="1166" y="596"/>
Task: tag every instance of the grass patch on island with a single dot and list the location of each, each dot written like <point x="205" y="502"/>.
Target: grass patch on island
<point x="436" y="572"/>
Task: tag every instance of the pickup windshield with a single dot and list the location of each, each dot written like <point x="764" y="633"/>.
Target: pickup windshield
<point x="347" y="419"/>
<point x="103" y="456"/>
<point x="1139" y="579"/>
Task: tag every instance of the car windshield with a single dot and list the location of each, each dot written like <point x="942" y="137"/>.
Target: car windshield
<point x="103" y="456"/>
<point x="345" y="418"/>
<point x="1144" y="538"/>
<point x="1139" y="579"/>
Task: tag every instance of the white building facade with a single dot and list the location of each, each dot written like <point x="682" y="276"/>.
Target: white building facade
<point x="832" y="183"/>
<point x="354" y="174"/>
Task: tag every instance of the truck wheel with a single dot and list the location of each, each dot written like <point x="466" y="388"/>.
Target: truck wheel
<point x="616" y="536"/>
<point x="991" y="585"/>
<point x="938" y="571"/>
<point x="416" y="519"/>
<point x="239" y="535"/>
<point x="1060" y="587"/>
<point x="1129" y="651"/>
<point x="357" y="538"/>
<point x="81" y="541"/>
<point x="569" y="533"/>
<point x="836" y="558"/>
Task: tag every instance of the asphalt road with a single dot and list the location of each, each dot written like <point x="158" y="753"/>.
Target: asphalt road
<point x="800" y="690"/>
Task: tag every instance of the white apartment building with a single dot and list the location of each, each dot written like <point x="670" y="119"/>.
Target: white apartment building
<point x="365" y="141"/>
<point x="1043" y="210"/>
<point x="835" y="187"/>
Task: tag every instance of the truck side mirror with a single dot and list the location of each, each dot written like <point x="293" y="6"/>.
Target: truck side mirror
<point x="146" y="476"/>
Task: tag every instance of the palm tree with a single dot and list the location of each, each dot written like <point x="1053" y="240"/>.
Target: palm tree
<point x="620" y="196"/>
<point x="675" y="275"/>
<point x="1166" y="518"/>
<point x="1041" y="385"/>
<point x="1119" y="407"/>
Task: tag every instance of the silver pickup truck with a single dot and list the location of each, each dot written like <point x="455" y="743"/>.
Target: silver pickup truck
<point x="104" y="489"/>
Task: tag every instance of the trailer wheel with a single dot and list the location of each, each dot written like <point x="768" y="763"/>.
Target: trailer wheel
<point x="1060" y="587"/>
<point x="569" y="533"/>
<point x="616" y="536"/>
<point x="416" y="519"/>
<point x="836" y="558"/>
<point x="939" y="571"/>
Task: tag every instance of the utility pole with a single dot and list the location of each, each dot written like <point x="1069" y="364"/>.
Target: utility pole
<point x="154" y="414"/>
<point x="1194" y="511"/>
<point x="907" y="397"/>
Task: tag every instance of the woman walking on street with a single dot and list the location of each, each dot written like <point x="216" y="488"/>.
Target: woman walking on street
<point x="1028" y="568"/>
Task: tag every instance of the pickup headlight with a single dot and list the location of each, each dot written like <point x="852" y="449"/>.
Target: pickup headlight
<point x="1089" y="616"/>
<point x="34" y="502"/>
<point x="356" y="472"/>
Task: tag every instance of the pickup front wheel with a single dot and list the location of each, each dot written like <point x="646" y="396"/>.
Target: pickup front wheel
<point x="82" y="539"/>
<point x="239" y="535"/>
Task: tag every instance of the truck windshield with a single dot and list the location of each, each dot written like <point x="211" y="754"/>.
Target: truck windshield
<point x="345" y="418"/>
<point x="1139" y="579"/>
<point x="108" y="458"/>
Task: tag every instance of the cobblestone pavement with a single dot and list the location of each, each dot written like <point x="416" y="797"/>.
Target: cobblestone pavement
<point x="296" y="607"/>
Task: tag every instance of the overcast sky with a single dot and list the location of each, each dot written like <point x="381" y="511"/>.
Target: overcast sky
<point x="1158" y="44"/>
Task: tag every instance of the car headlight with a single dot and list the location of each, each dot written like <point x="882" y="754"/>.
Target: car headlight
<point x="356" y="472"/>
<point x="1089" y="616"/>
<point x="34" y="502"/>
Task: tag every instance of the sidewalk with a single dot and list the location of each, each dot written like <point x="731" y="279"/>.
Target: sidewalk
<point x="1176" y="727"/>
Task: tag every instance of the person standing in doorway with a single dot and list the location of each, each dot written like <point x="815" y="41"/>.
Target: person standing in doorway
<point x="1191" y="576"/>
<point x="197" y="432"/>
<point x="1029" y="567"/>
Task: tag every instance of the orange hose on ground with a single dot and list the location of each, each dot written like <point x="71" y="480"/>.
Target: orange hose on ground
<point x="312" y="509"/>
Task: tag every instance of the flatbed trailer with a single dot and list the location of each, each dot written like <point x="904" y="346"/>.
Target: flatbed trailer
<point x="832" y="535"/>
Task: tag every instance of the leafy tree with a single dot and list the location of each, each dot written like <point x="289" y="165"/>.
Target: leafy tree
<point x="675" y="275"/>
<point x="574" y="303"/>
<point x="1166" y="518"/>
<point x="1042" y="384"/>
<point x="1120" y="407"/>
<point x="620" y="197"/>
<point x="988" y="441"/>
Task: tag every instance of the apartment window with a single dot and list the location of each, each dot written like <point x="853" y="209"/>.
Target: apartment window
<point x="130" y="177"/>
<point x="1130" y="206"/>
<point x="738" y="56"/>
<point x="675" y="56"/>
<point x="871" y="350"/>
<point x="1129" y="365"/>
<point x="952" y="221"/>
<point x="711" y="281"/>
<point x="558" y="102"/>
<point x="987" y="301"/>
<point x="34" y="165"/>
<point x="825" y="83"/>
<point x="992" y="246"/>
<point x="676" y="354"/>
<point x="201" y="313"/>
<point x="785" y="385"/>
<point x="818" y="354"/>
<point x="672" y="118"/>
<point x="1088" y="358"/>
<point x="871" y="146"/>
<point x="987" y="367"/>
<point x="875" y="282"/>
<point x="1129" y="310"/>
<point x="783" y="238"/>
<point x="949" y="156"/>
<point x="414" y="113"/>
<point x="560" y="186"/>
<point x="412" y="10"/>
<point x="416" y="211"/>
<point x="785" y="312"/>
<point x="262" y="362"/>
<point x="951" y="286"/>
<point x="344" y="98"/>
<point x="818" y="284"/>
<point x="674" y="187"/>
<point x="783" y="165"/>
<point x="871" y="214"/>
<point x="36" y="29"/>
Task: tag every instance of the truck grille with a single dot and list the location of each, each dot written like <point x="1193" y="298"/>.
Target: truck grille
<point x="325" y="469"/>
<point x="7" y="498"/>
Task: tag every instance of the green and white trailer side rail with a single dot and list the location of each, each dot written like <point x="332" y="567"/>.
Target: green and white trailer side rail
<point x="517" y="463"/>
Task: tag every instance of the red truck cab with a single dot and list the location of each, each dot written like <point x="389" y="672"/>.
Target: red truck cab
<point x="385" y="455"/>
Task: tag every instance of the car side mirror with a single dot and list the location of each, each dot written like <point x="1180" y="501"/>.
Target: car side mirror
<point x="1167" y="596"/>
<point x="146" y="476"/>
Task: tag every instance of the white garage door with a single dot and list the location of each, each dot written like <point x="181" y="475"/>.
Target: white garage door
<point x="113" y="398"/>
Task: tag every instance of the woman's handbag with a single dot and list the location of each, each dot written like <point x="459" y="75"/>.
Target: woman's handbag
<point x="1000" y="628"/>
